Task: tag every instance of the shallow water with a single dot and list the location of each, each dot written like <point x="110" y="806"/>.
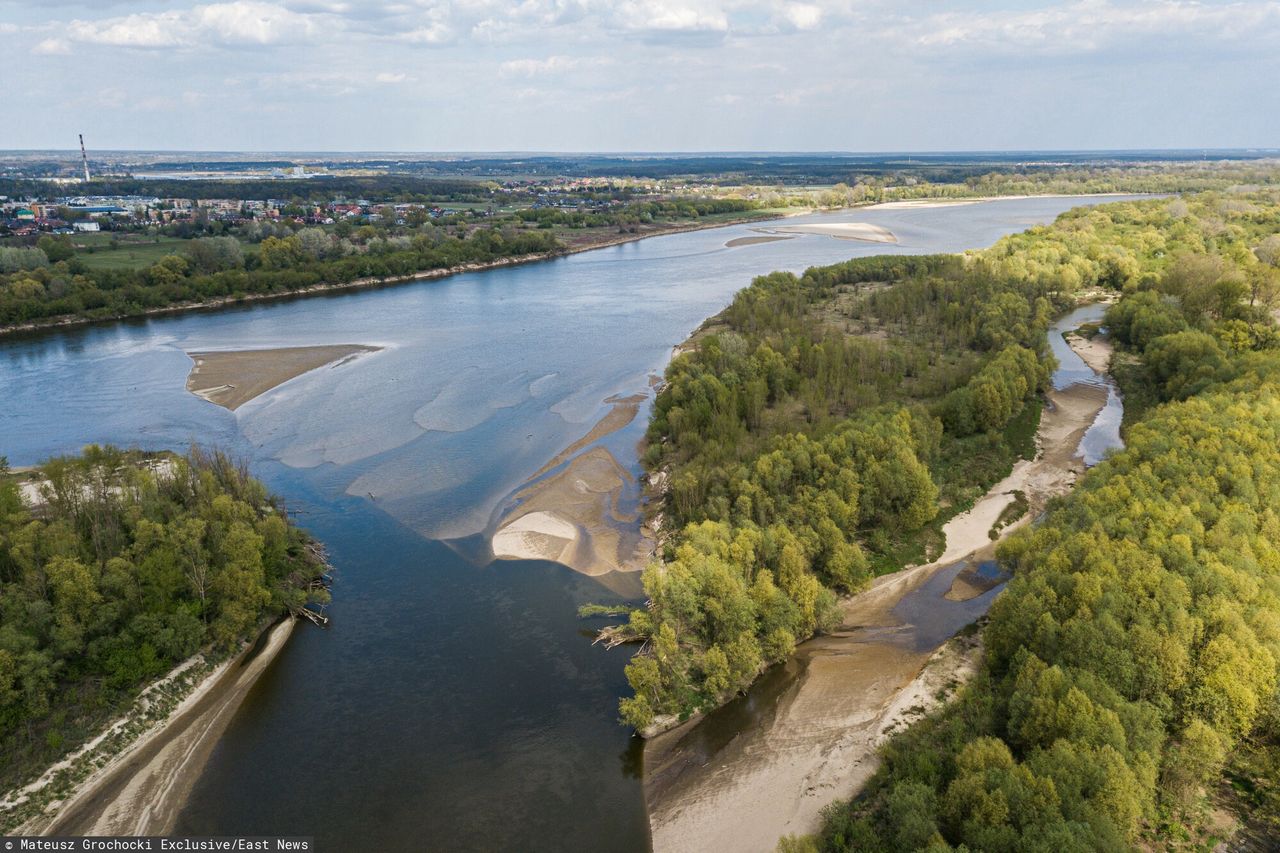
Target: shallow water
<point x="453" y="704"/>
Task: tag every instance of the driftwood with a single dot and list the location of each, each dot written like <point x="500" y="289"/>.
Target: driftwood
<point x="315" y="616"/>
<point x="616" y="635"/>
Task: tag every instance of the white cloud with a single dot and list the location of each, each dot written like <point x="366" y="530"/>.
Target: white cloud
<point x="533" y="67"/>
<point x="52" y="47"/>
<point x="237" y="23"/>
<point x="390" y="77"/>
<point x="672" y="17"/>
<point x="1090" y="25"/>
<point x="802" y="16"/>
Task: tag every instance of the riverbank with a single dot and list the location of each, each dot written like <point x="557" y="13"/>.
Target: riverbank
<point x="122" y="785"/>
<point x="572" y="248"/>
<point x="764" y="766"/>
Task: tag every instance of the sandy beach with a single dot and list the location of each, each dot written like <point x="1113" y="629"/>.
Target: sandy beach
<point x="141" y="790"/>
<point x="848" y="688"/>
<point x="234" y="377"/>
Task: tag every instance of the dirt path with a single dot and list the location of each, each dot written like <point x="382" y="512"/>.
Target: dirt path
<point x="812" y="737"/>
<point x="142" y="791"/>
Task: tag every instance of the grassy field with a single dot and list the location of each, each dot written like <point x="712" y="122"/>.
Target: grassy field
<point x="97" y="252"/>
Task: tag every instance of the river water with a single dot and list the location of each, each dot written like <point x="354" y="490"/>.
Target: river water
<point x="453" y="704"/>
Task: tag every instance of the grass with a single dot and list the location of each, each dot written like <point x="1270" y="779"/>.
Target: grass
<point x="129" y="254"/>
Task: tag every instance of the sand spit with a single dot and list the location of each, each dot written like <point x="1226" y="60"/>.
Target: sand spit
<point x="819" y="743"/>
<point x="761" y="238"/>
<point x="232" y="378"/>
<point x="142" y="790"/>
<point x="862" y="231"/>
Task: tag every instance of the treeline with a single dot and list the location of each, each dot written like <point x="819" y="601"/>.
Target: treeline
<point x="314" y="190"/>
<point x="1136" y="648"/>
<point x="125" y="566"/>
<point x="831" y="421"/>
<point x="217" y="267"/>
<point x="667" y="210"/>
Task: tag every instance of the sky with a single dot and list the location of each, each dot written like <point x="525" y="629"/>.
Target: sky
<point x="639" y="75"/>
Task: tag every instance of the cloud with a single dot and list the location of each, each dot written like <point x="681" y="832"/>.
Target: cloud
<point x="534" y="67"/>
<point x="391" y="78"/>
<point x="802" y="16"/>
<point x="52" y="47"/>
<point x="1092" y="25"/>
<point x="237" y="23"/>
<point x="663" y="16"/>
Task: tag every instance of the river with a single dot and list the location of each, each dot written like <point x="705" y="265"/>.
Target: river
<point x="453" y="704"/>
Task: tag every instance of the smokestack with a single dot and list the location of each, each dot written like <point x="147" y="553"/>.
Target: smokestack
<point x="84" y="158"/>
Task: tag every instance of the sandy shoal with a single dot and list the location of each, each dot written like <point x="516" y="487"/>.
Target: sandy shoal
<point x="820" y="744"/>
<point x="863" y="231"/>
<point x="232" y="378"/>
<point x="142" y="790"/>
<point x="622" y="411"/>
<point x="573" y="516"/>
<point x="760" y="238"/>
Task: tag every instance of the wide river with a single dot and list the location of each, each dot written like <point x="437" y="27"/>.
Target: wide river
<point x="452" y="705"/>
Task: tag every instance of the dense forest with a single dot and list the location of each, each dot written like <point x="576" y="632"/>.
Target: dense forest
<point x="824" y="426"/>
<point x="1134" y="655"/>
<point x="117" y="568"/>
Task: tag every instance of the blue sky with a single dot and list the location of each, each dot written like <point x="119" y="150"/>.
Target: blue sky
<point x="630" y="75"/>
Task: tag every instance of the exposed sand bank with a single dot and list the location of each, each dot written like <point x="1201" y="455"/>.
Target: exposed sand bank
<point x="141" y="790"/>
<point x="819" y="743"/>
<point x="232" y="378"/>
<point x="862" y="231"/>
<point x="1095" y="351"/>
<point x="574" y="517"/>
<point x="762" y="238"/>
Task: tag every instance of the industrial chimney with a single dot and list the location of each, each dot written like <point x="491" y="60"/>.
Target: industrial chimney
<point x="84" y="158"/>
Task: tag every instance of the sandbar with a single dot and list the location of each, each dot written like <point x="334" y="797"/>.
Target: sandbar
<point x="1095" y="351"/>
<point x="861" y="231"/>
<point x="232" y="378"/>
<point x="760" y="238"/>
<point x="573" y="518"/>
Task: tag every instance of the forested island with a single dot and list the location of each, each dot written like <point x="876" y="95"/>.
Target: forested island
<point x="824" y="426"/>
<point x="115" y="566"/>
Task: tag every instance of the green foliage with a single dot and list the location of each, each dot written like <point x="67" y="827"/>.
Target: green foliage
<point x="127" y="566"/>
<point x="1139" y="641"/>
